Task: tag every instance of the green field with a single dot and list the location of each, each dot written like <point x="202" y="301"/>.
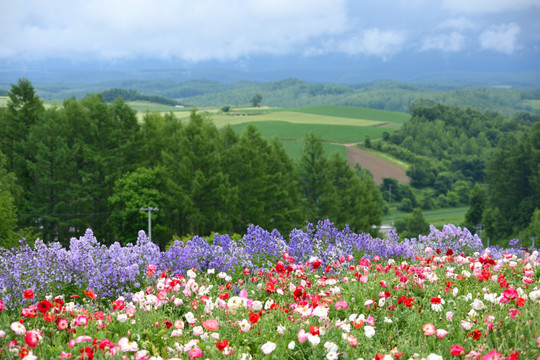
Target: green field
<point x="295" y="149"/>
<point x="534" y="104"/>
<point x="354" y="113"/>
<point x="437" y="217"/>
<point x="331" y="133"/>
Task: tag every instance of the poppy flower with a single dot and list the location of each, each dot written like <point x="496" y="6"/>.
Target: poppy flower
<point x="90" y="294"/>
<point x="28" y="294"/>
<point x="457" y="350"/>
<point x="221" y="345"/>
<point x="270" y="287"/>
<point x="44" y="306"/>
<point x="211" y="325"/>
<point x="253" y="317"/>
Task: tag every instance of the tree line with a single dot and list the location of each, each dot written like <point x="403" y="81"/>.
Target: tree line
<point x="465" y="156"/>
<point x="92" y="164"/>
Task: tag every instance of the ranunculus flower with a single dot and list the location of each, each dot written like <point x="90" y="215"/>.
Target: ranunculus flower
<point x="253" y="317"/>
<point x="441" y="333"/>
<point x="268" y="347"/>
<point x="457" y="350"/>
<point x="211" y="325"/>
<point x="302" y="336"/>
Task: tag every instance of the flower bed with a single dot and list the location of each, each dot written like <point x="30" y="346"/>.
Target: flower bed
<point x="324" y="294"/>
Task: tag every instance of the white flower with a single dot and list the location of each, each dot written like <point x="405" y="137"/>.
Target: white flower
<point x="191" y="274"/>
<point x="291" y="345"/>
<point x="210" y="271"/>
<point x="534" y="295"/>
<point x="246" y="357"/>
<point x="235" y="303"/>
<point x="434" y="357"/>
<point x="257" y="305"/>
<point x="198" y="331"/>
<point x="190" y="318"/>
<point x="387" y="320"/>
<point x="320" y="311"/>
<point x="332" y="355"/>
<point x="331" y="346"/>
<point x="244" y="325"/>
<point x="281" y="329"/>
<point x="313" y="339"/>
<point x="176" y="333"/>
<point x="369" y="331"/>
<point x="18" y="328"/>
<point x="122" y="318"/>
<point x="478" y="305"/>
<point x="268" y="347"/>
<point x="126" y="345"/>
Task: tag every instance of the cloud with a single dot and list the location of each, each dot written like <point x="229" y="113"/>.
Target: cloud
<point x="184" y="29"/>
<point x="488" y="6"/>
<point x="371" y="42"/>
<point x="445" y="42"/>
<point x="460" y="24"/>
<point x="502" y="38"/>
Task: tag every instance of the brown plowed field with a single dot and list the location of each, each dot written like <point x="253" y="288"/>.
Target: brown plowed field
<point x="379" y="167"/>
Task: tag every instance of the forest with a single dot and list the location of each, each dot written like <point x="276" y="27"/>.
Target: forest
<point x="91" y="164"/>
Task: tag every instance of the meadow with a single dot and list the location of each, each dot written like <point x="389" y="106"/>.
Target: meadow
<point x="320" y="293"/>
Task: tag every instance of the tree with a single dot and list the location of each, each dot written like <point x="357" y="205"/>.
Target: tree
<point x="412" y="226"/>
<point x="477" y="204"/>
<point x="256" y="100"/>
<point x="319" y="195"/>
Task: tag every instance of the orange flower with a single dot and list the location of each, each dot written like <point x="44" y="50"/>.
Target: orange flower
<point x="90" y="294"/>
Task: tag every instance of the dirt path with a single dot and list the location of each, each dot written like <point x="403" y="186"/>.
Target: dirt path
<point x="379" y="168"/>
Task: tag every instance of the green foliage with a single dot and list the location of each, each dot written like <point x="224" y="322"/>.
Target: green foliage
<point x="132" y="95"/>
<point x="412" y="226"/>
<point x="477" y="205"/>
<point x="256" y="100"/>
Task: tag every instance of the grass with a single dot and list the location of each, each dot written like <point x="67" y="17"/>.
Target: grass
<point x="330" y="133"/>
<point x="296" y="148"/>
<point x="534" y="104"/>
<point x="353" y="112"/>
<point x="438" y="217"/>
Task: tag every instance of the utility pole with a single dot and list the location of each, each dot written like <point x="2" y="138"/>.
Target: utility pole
<point x="479" y="231"/>
<point x="149" y="209"/>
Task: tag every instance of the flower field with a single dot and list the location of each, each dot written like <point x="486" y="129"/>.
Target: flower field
<point x="322" y="293"/>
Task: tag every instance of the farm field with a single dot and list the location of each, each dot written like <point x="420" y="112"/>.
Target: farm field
<point x="437" y="217"/>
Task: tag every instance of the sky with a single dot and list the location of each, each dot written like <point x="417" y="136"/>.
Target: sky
<point x="439" y="35"/>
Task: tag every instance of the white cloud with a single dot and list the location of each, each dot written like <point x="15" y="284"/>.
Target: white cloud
<point x="488" y="6"/>
<point x="501" y="38"/>
<point x="445" y="42"/>
<point x="460" y="24"/>
<point x="190" y="30"/>
<point x="371" y="42"/>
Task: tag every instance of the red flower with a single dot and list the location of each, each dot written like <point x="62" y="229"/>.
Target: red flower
<point x="280" y="266"/>
<point x="475" y="334"/>
<point x="435" y="300"/>
<point x="253" y="317"/>
<point x="270" y="287"/>
<point x="457" y="350"/>
<point x="520" y="301"/>
<point x="28" y="294"/>
<point x="314" y="330"/>
<point x="315" y="265"/>
<point x="224" y="296"/>
<point x="90" y="294"/>
<point x="449" y="252"/>
<point x="87" y="353"/>
<point x="44" y="306"/>
<point x="221" y="345"/>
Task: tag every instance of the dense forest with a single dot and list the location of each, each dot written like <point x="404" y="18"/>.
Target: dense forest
<point x="89" y="163"/>
<point x="464" y="156"/>
<point x="133" y="95"/>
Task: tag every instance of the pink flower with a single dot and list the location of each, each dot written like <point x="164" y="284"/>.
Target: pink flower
<point x="31" y="338"/>
<point x="449" y="315"/>
<point x="302" y="336"/>
<point x="429" y="329"/>
<point x="211" y="325"/>
<point x="1" y="305"/>
<point x="457" y="350"/>
<point x="341" y="305"/>
<point x="441" y="333"/>
<point x="195" y="353"/>
<point x="492" y="355"/>
<point x="142" y="355"/>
